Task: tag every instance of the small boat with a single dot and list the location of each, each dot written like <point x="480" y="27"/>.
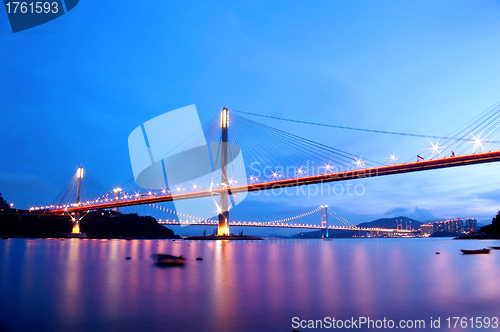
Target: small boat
<point x="168" y="260"/>
<point x="478" y="251"/>
<point x="495" y="248"/>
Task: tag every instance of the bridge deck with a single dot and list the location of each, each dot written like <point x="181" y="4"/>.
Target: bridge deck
<point x="285" y="225"/>
<point x="322" y="178"/>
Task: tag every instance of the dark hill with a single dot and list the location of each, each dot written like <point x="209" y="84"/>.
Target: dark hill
<point x="105" y="224"/>
<point x="97" y="224"/>
<point x="494" y="227"/>
<point x="24" y="224"/>
<point x="392" y="223"/>
<point x="3" y="204"/>
<point x="491" y="231"/>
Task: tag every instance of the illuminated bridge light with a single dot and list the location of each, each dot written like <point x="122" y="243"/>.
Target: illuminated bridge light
<point x="435" y="148"/>
<point x="358" y="162"/>
<point x="477" y="142"/>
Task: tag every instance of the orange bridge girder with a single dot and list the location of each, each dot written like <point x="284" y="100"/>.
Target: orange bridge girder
<point x="425" y="165"/>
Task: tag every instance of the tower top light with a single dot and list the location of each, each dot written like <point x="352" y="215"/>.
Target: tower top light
<point x="224" y="118"/>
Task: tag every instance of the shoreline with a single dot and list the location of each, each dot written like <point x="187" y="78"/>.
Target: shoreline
<point x="224" y="237"/>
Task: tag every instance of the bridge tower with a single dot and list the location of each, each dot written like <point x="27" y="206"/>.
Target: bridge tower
<point x="399" y="224"/>
<point x="76" y="219"/>
<point x="324" y="220"/>
<point x="117" y="192"/>
<point x="223" y="228"/>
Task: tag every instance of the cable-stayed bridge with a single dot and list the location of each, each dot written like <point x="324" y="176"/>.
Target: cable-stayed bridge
<point x="246" y="156"/>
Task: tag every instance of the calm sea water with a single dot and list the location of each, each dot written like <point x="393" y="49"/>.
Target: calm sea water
<point x="88" y="285"/>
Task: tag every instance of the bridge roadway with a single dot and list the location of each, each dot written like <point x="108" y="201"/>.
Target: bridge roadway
<point x="424" y="165"/>
<point x="285" y="225"/>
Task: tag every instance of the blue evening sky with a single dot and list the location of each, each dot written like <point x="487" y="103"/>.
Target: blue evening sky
<point x="73" y="89"/>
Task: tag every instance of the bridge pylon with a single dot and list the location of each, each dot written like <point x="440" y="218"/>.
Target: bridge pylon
<point x="399" y="224"/>
<point x="76" y="220"/>
<point x="324" y="220"/>
<point x="223" y="228"/>
<point x="117" y="192"/>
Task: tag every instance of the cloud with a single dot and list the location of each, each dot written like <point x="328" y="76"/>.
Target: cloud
<point x="420" y="214"/>
<point x="493" y="195"/>
<point x="396" y="212"/>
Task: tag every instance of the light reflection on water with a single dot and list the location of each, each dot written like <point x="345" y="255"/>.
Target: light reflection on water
<point x="88" y="285"/>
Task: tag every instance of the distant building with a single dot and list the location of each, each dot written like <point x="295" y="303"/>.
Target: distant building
<point x="456" y="225"/>
<point x="439" y="226"/>
<point x="426" y="229"/>
<point x="470" y="225"/>
<point x="449" y="226"/>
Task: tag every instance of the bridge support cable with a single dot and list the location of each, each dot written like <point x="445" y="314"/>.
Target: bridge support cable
<point x="285" y="221"/>
<point x="448" y="137"/>
<point x="339" y="218"/>
<point x="265" y="146"/>
<point x="479" y="134"/>
<point x="79" y="192"/>
<point x="279" y="223"/>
